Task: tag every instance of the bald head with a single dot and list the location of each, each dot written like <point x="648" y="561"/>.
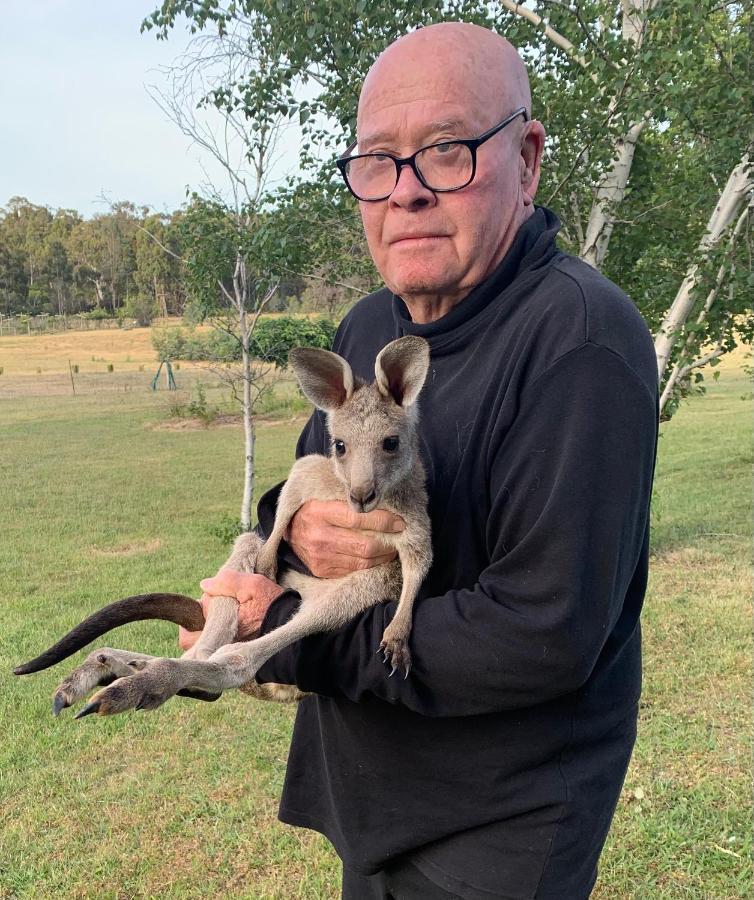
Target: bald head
<point x="455" y="207"/>
<point x="458" y="62"/>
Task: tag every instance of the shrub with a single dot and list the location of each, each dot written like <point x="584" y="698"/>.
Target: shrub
<point x="97" y="314"/>
<point x="273" y="339"/>
<point x="141" y="308"/>
<point x="197" y="407"/>
<point x="271" y="342"/>
<point x="227" y="529"/>
<point x="169" y="343"/>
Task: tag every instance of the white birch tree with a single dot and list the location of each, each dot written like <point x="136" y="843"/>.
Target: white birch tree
<point x="648" y="104"/>
<point x="231" y="268"/>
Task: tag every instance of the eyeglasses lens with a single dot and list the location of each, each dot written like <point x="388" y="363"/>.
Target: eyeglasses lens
<point x="443" y="167"/>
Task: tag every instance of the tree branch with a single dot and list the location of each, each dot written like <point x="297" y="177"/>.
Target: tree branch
<point x="574" y="10"/>
<point x="558" y="39"/>
<point x="159" y="243"/>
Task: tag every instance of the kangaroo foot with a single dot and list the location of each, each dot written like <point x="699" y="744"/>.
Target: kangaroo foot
<point x="395" y="650"/>
<point x="147" y="689"/>
<point x="100" y="668"/>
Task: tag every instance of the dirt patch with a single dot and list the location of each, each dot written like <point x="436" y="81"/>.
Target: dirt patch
<point x="130" y="548"/>
<point x="226" y="420"/>
<point x="683" y="558"/>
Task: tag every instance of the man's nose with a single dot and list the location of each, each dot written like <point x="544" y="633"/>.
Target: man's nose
<point x="409" y="192"/>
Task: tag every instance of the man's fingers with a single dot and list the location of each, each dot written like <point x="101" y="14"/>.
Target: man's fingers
<point x="338" y="513"/>
<point x="352" y="544"/>
<point x="376" y="560"/>
<point x="187" y="639"/>
<point x="224" y="584"/>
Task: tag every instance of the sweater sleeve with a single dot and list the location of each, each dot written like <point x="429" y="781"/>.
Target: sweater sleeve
<point x="570" y="484"/>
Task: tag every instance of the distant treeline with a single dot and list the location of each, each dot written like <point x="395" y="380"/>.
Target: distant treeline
<point x="126" y="261"/>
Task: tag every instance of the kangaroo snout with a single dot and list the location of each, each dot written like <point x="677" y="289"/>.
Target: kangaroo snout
<point x="363" y="497"/>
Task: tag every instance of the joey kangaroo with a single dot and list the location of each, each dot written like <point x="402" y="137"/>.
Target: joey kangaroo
<point x="374" y="461"/>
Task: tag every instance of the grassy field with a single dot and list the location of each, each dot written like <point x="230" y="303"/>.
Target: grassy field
<point x="98" y="500"/>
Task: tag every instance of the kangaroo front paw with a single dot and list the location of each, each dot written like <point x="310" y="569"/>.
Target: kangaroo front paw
<point x="147" y="689"/>
<point x="394" y="647"/>
<point x="267" y="565"/>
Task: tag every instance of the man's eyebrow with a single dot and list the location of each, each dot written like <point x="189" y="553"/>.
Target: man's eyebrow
<point x="454" y="126"/>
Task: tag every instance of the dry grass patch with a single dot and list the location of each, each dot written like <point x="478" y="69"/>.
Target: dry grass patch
<point x="90" y="350"/>
<point x="128" y="548"/>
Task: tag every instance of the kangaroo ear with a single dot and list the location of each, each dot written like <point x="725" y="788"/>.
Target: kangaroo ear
<point x="401" y="368"/>
<point x="325" y="378"/>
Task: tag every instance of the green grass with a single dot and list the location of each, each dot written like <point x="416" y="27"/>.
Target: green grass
<point x="96" y="502"/>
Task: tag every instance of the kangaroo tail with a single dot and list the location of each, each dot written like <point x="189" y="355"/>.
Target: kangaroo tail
<point x="168" y="607"/>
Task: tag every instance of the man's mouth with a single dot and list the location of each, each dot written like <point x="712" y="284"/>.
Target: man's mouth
<point x="404" y="238"/>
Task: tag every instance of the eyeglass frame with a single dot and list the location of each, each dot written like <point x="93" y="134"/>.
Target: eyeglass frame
<point x="473" y="145"/>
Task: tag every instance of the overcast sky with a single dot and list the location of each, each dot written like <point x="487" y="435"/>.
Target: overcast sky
<point x="76" y="120"/>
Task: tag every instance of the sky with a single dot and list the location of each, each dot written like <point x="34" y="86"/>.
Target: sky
<point x="76" y="120"/>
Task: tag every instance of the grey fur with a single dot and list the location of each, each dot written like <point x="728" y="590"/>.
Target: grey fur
<point x="367" y="475"/>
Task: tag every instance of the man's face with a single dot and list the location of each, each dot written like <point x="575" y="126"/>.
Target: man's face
<point x="439" y="245"/>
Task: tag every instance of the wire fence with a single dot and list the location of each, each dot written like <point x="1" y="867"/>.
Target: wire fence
<point x="46" y="324"/>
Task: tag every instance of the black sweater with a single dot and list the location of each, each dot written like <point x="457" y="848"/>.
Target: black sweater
<point x="538" y="429"/>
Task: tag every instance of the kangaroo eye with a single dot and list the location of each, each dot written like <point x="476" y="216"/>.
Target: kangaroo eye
<point x="390" y="444"/>
<point x="340" y="447"/>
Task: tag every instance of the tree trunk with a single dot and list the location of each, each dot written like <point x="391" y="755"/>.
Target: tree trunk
<point x="248" y="430"/>
<point x="98" y="290"/>
<point x="159" y="296"/>
<point x="612" y="187"/>
<point x="608" y="196"/>
<point x="679" y="370"/>
<point x="240" y="290"/>
<point x="735" y="193"/>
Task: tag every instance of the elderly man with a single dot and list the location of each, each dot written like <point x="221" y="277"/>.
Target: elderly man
<point x="495" y="768"/>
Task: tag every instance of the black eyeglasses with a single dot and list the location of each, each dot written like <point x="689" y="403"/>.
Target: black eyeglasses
<point x="447" y="166"/>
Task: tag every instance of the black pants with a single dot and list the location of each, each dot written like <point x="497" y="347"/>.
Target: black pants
<point x="401" y="881"/>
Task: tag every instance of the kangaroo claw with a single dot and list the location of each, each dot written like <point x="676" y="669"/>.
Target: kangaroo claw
<point x="87" y="710"/>
<point x="396" y="653"/>
<point x="59" y="703"/>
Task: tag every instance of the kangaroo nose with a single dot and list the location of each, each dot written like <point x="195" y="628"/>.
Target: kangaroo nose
<point x="363" y="495"/>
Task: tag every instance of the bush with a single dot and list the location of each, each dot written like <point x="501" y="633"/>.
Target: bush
<point x="141" y="308"/>
<point x="271" y="341"/>
<point x="170" y="343"/>
<point x="196" y="408"/>
<point x="227" y="529"/>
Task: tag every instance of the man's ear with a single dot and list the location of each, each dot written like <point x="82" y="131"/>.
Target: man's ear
<point x="325" y="378"/>
<point x="401" y="368"/>
<point x="532" y="148"/>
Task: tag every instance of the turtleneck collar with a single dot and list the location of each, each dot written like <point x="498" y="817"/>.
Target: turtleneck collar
<point x="534" y="244"/>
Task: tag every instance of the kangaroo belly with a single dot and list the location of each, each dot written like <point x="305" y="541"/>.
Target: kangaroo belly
<point x="348" y="595"/>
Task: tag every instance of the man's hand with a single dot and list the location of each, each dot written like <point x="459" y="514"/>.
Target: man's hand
<point x="254" y="593"/>
<point x="333" y="540"/>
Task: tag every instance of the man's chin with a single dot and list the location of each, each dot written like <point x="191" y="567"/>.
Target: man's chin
<point x="420" y="284"/>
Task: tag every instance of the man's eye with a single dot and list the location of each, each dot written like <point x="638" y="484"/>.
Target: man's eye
<point x="339" y="447"/>
<point x="390" y="444"/>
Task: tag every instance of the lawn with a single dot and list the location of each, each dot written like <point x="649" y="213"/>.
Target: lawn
<point x="98" y="500"/>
